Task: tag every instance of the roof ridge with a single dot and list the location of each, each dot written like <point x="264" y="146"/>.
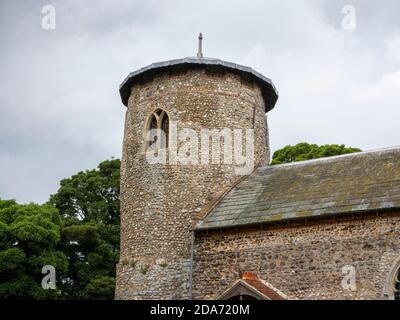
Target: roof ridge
<point x="328" y="159"/>
<point x="364" y="182"/>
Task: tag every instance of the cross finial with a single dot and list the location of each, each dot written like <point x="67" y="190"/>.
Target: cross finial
<point x="200" y="52"/>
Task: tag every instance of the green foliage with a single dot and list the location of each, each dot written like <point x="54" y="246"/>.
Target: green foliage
<point x="77" y="232"/>
<point x="89" y="205"/>
<point x="91" y="195"/>
<point x="29" y="236"/>
<point x="100" y="288"/>
<point x="132" y="263"/>
<point x="305" y="151"/>
<point x="144" y="269"/>
<point x="125" y="262"/>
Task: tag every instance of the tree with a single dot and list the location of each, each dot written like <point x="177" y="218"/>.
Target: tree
<point x="89" y="205"/>
<point x="305" y="151"/>
<point x="29" y="235"/>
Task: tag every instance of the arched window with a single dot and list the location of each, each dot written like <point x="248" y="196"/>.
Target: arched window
<point x="391" y="288"/>
<point x="157" y="133"/>
<point x="397" y="286"/>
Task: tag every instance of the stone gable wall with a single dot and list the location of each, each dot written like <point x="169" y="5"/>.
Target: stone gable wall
<point x="302" y="260"/>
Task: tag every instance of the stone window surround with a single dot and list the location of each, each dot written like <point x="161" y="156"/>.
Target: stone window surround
<point x="389" y="287"/>
<point x="160" y="115"/>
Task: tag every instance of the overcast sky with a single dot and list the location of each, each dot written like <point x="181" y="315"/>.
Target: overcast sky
<point x="60" y="110"/>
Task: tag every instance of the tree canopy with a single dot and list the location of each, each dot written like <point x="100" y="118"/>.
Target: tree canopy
<point x="29" y="239"/>
<point x="76" y="232"/>
<point x="305" y="151"/>
<point x="89" y="206"/>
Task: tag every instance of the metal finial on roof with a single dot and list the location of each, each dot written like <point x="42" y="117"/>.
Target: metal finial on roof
<point x="200" y="52"/>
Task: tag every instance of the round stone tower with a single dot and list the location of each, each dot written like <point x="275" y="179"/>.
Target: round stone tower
<point x="189" y="130"/>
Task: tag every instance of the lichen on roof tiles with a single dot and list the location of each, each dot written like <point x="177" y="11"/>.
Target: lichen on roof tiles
<point x="359" y="182"/>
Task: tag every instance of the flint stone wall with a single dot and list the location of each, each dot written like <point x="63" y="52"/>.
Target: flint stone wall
<point x="160" y="203"/>
<point x="303" y="260"/>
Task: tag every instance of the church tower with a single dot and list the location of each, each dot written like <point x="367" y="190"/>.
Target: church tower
<point x="189" y="124"/>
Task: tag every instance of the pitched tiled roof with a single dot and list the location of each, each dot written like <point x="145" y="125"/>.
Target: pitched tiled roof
<point x="262" y="286"/>
<point x="353" y="183"/>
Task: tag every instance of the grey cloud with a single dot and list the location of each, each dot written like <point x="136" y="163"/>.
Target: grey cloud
<point x="60" y="108"/>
